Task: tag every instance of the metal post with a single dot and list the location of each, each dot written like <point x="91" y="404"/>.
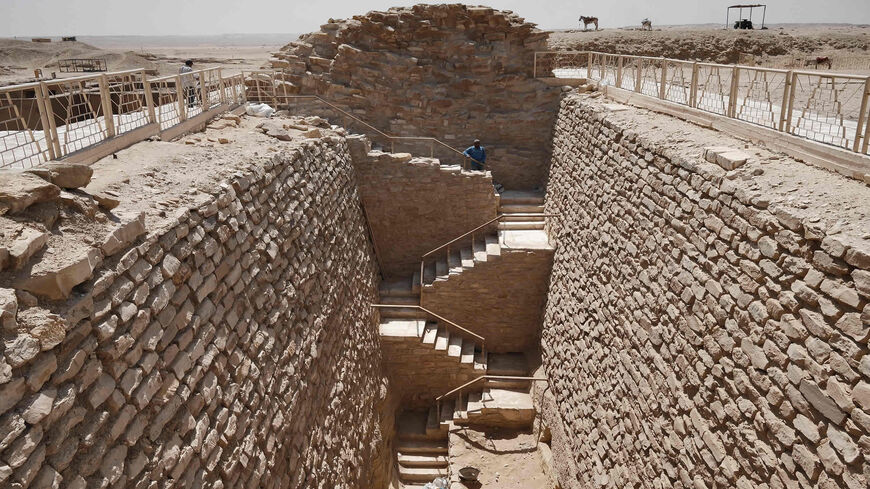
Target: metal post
<point x="693" y="88"/>
<point x="149" y="100"/>
<point x="181" y="95"/>
<point x="638" y="71"/>
<point x="535" y="66"/>
<point x="223" y="96"/>
<point x="664" y="80"/>
<point x="783" y="107"/>
<point x="589" y="66"/>
<point x="763" y="15"/>
<point x="862" y="115"/>
<point x="203" y="89"/>
<point x="106" y="102"/>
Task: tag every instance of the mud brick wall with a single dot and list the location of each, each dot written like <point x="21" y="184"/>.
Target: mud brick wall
<point x="235" y="348"/>
<point x="697" y="332"/>
<point x="501" y="299"/>
<point x="415" y="205"/>
<point x="452" y="72"/>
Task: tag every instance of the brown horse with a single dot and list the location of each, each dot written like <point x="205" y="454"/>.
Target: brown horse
<point x="589" y="20"/>
<point x="820" y="61"/>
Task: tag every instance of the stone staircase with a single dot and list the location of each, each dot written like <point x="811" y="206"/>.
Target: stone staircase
<point x="422" y="435"/>
<point x="410" y="325"/>
<point x="521" y="202"/>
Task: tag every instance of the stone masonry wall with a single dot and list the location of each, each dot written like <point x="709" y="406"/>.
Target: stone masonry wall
<point x="704" y="328"/>
<point x="415" y="205"/>
<point x="452" y="72"/>
<point x="501" y="300"/>
<point x="234" y="348"/>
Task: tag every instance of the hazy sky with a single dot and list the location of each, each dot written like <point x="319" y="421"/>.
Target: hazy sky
<point x="199" y="17"/>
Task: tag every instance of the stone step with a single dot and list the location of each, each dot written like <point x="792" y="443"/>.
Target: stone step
<point x="520" y="208"/>
<point x="467" y="355"/>
<point x="526" y="224"/>
<point x="401" y="312"/>
<point x="492" y="246"/>
<point x="422" y="460"/>
<point x="455" y="262"/>
<point x="441" y="269"/>
<point x="442" y="340"/>
<point x="411" y="300"/>
<point x="422" y="446"/>
<point x="522" y="218"/>
<point x="454" y="347"/>
<point x="467" y="257"/>
<point x="501" y="407"/>
<point x="459" y="408"/>
<point x="480" y="361"/>
<point x="433" y="426"/>
<point x="480" y="251"/>
<point x="518" y="197"/>
<point x="429" y="272"/>
<point x="506" y="384"/>
<point x="421" y="474"/>
<point x="430" y="333"/>
<point x="402" y="328"/>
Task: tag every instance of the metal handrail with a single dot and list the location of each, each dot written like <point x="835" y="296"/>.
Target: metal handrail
<point x="460" y="237"/>
<point x="478" y="379"/>
<point x="427" y="311"/>
<point x="373" y="128"/>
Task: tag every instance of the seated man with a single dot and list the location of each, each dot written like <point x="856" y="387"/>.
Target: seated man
<point x="477" y="154"/>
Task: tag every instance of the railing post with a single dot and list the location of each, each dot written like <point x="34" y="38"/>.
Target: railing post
<point x="181" y="95"/>
<point x="223" y="96"/>
<point x="44" y="107"/>
<point x="589" y="66"/>
<point x="619" y="71"/>
<point x="106" y="103"/>
<point x="664" y="80"/>
<point x="149" y="100"/>
<point x="535" y="66"/>
<point x="732" y="95"/>
<point x="203" y="89"/>
<point x="52" y="126"/>
<point x="791" y="92"/>
<point x="862" y="115"/>
<point x="638" y="75"/>
<point x="693" y="87"/>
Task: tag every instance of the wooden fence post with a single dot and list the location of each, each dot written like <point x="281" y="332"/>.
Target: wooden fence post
<point x="149" y="100"/>
<point x="862" y="115"/>
<point x="791" y="92"/>
<point x="619" y="71"/>
<point x="732" y="95"/>
<point x="783" y="107"/>
<point x="663" y="91"/>
<point x="693" y="86"/>
<point x="52" y="126"/>
<point x="44" y="106"/>
<point x="181" y="95"/>
<point x="106" y="103"/>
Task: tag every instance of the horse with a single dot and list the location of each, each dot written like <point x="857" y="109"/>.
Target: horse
<point x="646" y="25"/>
<point x="818" y="61"/>
<point x="589" y="20"/>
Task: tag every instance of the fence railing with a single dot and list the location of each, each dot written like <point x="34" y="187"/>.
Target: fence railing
<point x="274" y="88"/>
<point x="463" y="240"/>
<point x="829" y="108"/>
<point x="54" y="119"/>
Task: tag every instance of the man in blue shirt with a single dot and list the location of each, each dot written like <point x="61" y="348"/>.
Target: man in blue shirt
<point x="477" y="154"/>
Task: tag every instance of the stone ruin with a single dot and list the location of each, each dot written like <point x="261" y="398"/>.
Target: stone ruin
<point x="198" y="313"/>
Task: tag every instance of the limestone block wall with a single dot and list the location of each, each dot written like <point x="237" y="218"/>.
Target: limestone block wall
<point x="452" y="72"/>
<point x="415" y="205"/>
<point x="234" y="348"/>
<point x="703" y="328"/>
<point x="501" y="300"/>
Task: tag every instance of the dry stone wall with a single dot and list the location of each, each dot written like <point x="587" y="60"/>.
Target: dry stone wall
<point x="703" y="329"/>
<point x="415" y="205"/>
<point x="452" y="72"/>
<point x="234" y="348"/>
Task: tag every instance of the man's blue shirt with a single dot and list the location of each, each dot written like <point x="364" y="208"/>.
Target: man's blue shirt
<point x="478" y="154"/>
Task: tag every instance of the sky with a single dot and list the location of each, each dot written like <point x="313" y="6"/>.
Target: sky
<point x="209" y="17"/>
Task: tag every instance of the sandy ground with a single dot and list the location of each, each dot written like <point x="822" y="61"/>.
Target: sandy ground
<point x="18" y="58"/>
<point x="506" y="459"/>
<point x="778" y="46"/>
